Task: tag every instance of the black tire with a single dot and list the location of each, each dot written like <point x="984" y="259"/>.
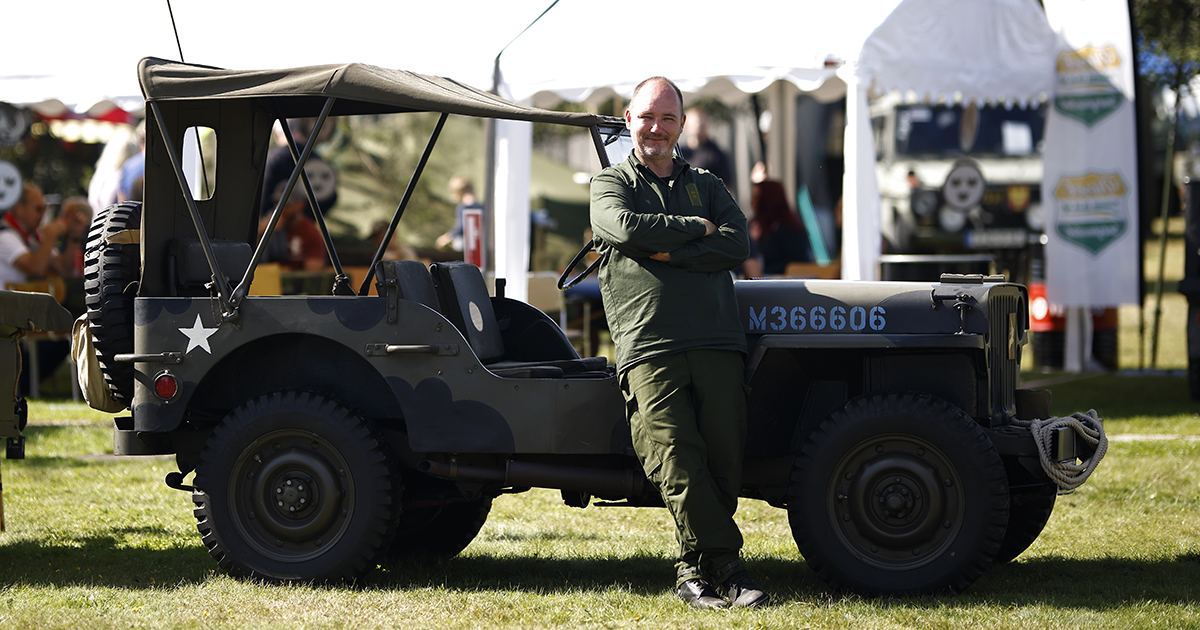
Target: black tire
<point x="898" y="494"/>
<point x="1028" y="514"/>
<point x="437" y="531"/>
<point x="110" y="275"/>
<point x="292" y="486"/>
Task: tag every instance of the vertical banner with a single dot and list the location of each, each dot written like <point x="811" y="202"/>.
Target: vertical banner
<point x="473" y="236"/>
<point x="1090" y="187"/>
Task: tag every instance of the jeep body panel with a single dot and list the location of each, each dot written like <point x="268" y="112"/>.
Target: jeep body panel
<point x="435" y="385"/>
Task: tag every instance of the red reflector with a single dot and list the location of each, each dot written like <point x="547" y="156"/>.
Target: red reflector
<point x="166" y="386"/>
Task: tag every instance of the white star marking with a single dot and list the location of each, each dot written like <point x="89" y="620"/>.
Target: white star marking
<point x="198" y="336"/>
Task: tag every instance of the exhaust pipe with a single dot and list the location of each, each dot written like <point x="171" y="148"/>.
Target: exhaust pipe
<point x="599" y="482"/>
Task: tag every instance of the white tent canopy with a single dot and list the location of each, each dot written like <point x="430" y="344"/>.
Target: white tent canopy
<point x="81" y="52"/>
<point x="982" y="49"/>
<point x="996" y="50"/>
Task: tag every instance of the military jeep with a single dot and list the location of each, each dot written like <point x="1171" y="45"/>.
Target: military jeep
<point x="330" y="433"/>
<point x="961" y="181"/>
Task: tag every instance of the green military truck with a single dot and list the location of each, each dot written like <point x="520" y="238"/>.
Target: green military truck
<point x="328" y="433"/>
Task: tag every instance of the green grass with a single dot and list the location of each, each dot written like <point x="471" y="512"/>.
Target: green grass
<point x="95" y="541"/>
<point x="1127" y="403"/>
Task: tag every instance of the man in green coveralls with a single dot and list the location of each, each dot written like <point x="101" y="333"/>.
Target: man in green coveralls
<point x="669" y="236"/>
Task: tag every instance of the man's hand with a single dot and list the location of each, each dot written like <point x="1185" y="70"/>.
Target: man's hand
<point x="55" y="229"/>
<point x="709" y="228"/>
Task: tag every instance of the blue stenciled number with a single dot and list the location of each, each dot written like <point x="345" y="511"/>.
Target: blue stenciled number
<point x="837" y="318"/>
<point x="798" y="321"/>
<point x="877" y="320"/>
<point x="782" y="315"/>
<point x="858" y="318"/>
<point x="818" y="318"/>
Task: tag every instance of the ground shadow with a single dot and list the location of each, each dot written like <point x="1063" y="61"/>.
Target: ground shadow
<point x="1059" y="582"/>
<point x="1052" y="581"/>
<point x="96" y="561"/>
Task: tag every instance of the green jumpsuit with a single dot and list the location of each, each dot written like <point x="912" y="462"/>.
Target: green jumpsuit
<point x="680" y="345"/>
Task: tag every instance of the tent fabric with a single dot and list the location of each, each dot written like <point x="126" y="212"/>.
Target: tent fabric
<point x="997" y="51"/>
<point x="723" y="52"/>
<point x="353" y="84"/>
<point x="81" y="52"/>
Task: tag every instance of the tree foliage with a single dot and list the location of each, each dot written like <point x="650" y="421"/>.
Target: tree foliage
<point x="375" y="158"/>
<point x="1168" y="39"/>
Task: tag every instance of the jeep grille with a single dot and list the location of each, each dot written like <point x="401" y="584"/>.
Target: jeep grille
<point x="1006" y="327"/>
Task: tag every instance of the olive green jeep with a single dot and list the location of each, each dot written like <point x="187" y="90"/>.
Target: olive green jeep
<point x="329" y="433"/>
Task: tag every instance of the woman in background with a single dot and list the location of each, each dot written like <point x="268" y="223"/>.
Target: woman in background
<point x="776" y="229"/>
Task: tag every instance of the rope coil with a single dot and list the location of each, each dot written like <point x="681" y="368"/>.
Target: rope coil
<point x="1068" y="475"/>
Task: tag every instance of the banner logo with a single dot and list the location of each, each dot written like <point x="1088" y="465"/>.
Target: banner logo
<point x="1085" y="83"/>
<point x="1092" y="210"/>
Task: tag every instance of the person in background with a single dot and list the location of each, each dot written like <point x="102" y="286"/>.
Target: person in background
<point x="669" y="236"/>
<point x="133" y="168"/>
<point x="396" y="248"/>
<point x="701" y="152"/>
<point x="106" y="180"/>
<point x="80" y="212"/>
<point x="28" y="249"/>
<point x="776" y="229"/>
<point x="463" y="195"/>
<point x="296" y="241"/>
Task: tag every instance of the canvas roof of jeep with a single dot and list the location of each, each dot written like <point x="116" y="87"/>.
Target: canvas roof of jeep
<point x="358" y="88"/>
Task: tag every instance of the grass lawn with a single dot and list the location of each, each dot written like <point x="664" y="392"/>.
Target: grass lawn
<point x="95" y="541"/>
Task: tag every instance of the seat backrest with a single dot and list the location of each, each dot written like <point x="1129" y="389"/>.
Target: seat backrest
<point x="189" y="267"/>
<point x="412" y="279"/>
<point x="466" y="303"/>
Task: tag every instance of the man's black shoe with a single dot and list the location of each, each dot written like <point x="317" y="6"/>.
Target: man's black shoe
<point x="700" y="594"/>
<point x="742" y="592"/>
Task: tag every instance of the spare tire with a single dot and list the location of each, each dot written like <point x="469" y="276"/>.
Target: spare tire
<point x="111" y="271"/>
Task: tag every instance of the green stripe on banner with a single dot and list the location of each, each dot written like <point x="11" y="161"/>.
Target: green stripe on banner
<point x="809" y="216"/>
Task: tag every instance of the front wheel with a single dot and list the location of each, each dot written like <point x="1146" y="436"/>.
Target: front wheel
<point x="1027" y="517"/>
<point x="898" y="494"/>
<point x="292" y="486"/>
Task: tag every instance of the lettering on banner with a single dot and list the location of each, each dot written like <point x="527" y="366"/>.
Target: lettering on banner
<point x="839" y="318"/>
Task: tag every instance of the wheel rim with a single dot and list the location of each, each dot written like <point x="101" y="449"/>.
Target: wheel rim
<point x="288" y="495"/>
<point x="896" y="502"/>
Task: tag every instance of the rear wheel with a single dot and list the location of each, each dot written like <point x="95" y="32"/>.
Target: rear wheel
<point x="110" y="275"/>
<point x="898" y="494"/>
<point x="292" y="486"/>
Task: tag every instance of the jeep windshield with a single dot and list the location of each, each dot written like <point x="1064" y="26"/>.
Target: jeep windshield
<point x="614" y="137"/>
<point x="952" y="131"/>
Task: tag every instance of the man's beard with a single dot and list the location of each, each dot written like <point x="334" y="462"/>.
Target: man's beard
<point x="664" y="149"/>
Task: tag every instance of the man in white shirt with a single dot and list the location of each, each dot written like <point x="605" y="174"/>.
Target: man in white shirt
<point x="27" y="252"/>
